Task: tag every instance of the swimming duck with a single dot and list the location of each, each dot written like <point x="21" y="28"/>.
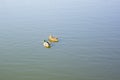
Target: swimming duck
<point x="53" y="39"/>
<point x="46" y="44"/>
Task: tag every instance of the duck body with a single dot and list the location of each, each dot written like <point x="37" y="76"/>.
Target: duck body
<point x="53" y="39"/>
<point x="46" y="44"/>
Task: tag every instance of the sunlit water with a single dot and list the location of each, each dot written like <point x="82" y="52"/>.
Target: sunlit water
<point x="89" y="34"/>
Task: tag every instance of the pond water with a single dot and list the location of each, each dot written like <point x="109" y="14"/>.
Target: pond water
<point x="88" y="47"/>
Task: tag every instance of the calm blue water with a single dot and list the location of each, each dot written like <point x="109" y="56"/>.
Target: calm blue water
<point x="89" y="33"/>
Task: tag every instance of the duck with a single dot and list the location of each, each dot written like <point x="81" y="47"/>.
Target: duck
<point x="52" y="39"/>
<point x="46" y="44"/>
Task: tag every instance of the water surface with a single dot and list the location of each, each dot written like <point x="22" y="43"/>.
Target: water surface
<point x="89" y="46"/>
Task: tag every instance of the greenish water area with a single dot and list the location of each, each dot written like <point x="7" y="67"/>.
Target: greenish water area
<point x="88" y="32"/>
